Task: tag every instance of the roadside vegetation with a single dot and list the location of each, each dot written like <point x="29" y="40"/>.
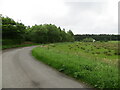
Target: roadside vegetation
<point x="16" y="46"/>
<point x="93" y="63"/>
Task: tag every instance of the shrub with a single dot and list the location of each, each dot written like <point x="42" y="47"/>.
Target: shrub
<point x="10" y="41"/>
<point x="88" y="40"/>
<point x="117" y="52"/>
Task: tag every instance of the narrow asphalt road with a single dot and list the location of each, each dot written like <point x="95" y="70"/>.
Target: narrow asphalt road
<point x="21" y="70"/>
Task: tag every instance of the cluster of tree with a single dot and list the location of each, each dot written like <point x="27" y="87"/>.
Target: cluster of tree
<point x="12" y="32"/>
<point x="88" y="40"/>
<point x="98" y="37"/>
<point x="47" y="33"/>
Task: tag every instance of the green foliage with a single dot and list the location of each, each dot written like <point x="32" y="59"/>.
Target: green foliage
<point x="14" y="31"/>
<point x="117" y="51"/>
<point x="88" y="40"/>
<point x="73" y="61"/>
<point x="10" y="41"/>
<point x="70" y="32"/>
<point x="98" y="37"/>
<point x="48" y="33"/>
<point x="16" y="46"/>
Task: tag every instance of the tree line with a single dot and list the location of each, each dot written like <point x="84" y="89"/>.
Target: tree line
<point x="48" y="33"/>
<point x="16" y="33"/>
<point x="97" y="37"/>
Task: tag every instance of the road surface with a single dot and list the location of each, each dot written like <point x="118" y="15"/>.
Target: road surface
<point x="21" y="70"/>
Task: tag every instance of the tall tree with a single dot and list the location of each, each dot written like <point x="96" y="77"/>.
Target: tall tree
<point x="12" y="30"/>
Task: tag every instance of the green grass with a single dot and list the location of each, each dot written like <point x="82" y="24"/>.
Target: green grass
<point x="14" y="43"/>
<point x="15" y="46"/>
<point x="82" y="65"/>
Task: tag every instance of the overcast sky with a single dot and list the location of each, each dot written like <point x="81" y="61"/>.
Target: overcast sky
<point x="81" y="16"/>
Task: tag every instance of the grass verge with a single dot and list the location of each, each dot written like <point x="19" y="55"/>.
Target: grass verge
<point x="94" y="72"/>
<point x="15" y="46"/>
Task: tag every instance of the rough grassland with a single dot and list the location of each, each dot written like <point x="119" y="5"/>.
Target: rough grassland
<point x="77" y="60"/>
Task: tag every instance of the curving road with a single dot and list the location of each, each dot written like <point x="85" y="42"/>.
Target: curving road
<point x="21" y="70"/>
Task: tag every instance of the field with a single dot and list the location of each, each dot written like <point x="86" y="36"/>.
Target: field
<point x="93" y="63"/>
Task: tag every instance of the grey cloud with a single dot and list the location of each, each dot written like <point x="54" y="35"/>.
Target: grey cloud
<point x="83" y="17"/>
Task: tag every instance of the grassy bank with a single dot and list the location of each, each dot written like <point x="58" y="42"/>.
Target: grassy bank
<point x="15" y="46"/>
<point x="14" y="43"/>
<point x="74" y="61"/>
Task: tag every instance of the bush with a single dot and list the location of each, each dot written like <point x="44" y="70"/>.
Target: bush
<point x="117" y="52"/>
<point x="88" y="40"/>
<point x="10" y="41"/>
